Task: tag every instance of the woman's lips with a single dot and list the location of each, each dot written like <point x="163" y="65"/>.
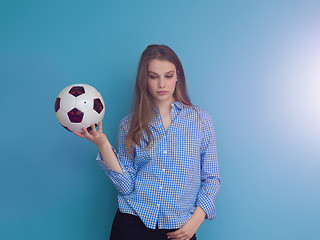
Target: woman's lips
<point x="162" y="92"/>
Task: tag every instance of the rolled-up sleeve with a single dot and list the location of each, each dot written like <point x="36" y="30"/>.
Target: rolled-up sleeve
<point x="210" y="177"/>
<point x="124" y="182"/>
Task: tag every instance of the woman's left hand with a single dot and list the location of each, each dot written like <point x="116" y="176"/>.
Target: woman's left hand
<point x="190" y="227"/>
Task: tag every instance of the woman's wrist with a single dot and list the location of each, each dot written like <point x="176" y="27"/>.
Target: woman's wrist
<point x="104" y="145"/>
<point x="199" y="214"/>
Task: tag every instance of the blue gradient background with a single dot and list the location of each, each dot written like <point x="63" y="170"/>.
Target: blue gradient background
<point x="254" y="65"/>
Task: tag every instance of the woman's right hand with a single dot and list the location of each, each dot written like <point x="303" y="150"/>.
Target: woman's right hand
<point x="97" y="137"/>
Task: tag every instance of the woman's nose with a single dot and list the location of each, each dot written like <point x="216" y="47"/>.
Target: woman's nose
<point x="161" y="83"/>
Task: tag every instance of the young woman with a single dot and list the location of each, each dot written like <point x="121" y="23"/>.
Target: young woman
<point x="166" y="170"/>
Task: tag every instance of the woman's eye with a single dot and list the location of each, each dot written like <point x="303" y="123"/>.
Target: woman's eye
<point x="169" y="76"/>
<point x="152" y="77"/>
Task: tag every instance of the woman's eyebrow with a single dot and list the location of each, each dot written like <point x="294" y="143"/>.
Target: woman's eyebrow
<point x="153" y="72"/>
<point x="172" y="71"/>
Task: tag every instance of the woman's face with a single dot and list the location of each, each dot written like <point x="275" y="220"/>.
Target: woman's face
<point x="162" y="78"/>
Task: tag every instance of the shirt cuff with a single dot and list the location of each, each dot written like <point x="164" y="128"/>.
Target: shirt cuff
<point x="105" y="167"/>
<point x="118" y="179"/>
<point x="207" y="205"/>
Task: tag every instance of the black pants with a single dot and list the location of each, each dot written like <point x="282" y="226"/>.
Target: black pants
<point x="130" y="227"/>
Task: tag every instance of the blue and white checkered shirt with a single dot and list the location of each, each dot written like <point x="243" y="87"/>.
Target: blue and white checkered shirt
<point x="164" y="185"/>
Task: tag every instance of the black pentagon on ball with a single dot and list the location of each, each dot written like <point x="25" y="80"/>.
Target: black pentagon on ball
<point x="77" y="91"/>
<point x="57" y="104"/>
<point x="75" y="115"/>
<point x="98" y="106"/>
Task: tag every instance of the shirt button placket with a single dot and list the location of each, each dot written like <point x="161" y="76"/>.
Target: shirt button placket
<point x="162" y="169"/>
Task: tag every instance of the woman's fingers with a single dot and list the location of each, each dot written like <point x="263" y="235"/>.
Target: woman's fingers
<point x="79" y="134"/>
<point x="86" y="134"/>
<point x="176" y="234"/>
<point x="93" y="129"/>
<point x="90" y="133"/>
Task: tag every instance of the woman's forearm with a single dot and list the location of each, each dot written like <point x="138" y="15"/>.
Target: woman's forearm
<point x="199" y="214"/>
<point x="109" y="157"/>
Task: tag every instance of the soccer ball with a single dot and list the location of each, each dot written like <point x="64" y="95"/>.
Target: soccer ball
<point x="79" y="106"/>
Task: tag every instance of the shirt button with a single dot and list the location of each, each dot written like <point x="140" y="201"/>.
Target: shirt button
<point x="165" y="152"/>
<point x="163" y="170"/>
<point x="160" y="187"/>
<point x="158" y="205"/>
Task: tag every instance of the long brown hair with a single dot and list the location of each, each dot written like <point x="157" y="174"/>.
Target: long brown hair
<point x="144" y="108"/>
